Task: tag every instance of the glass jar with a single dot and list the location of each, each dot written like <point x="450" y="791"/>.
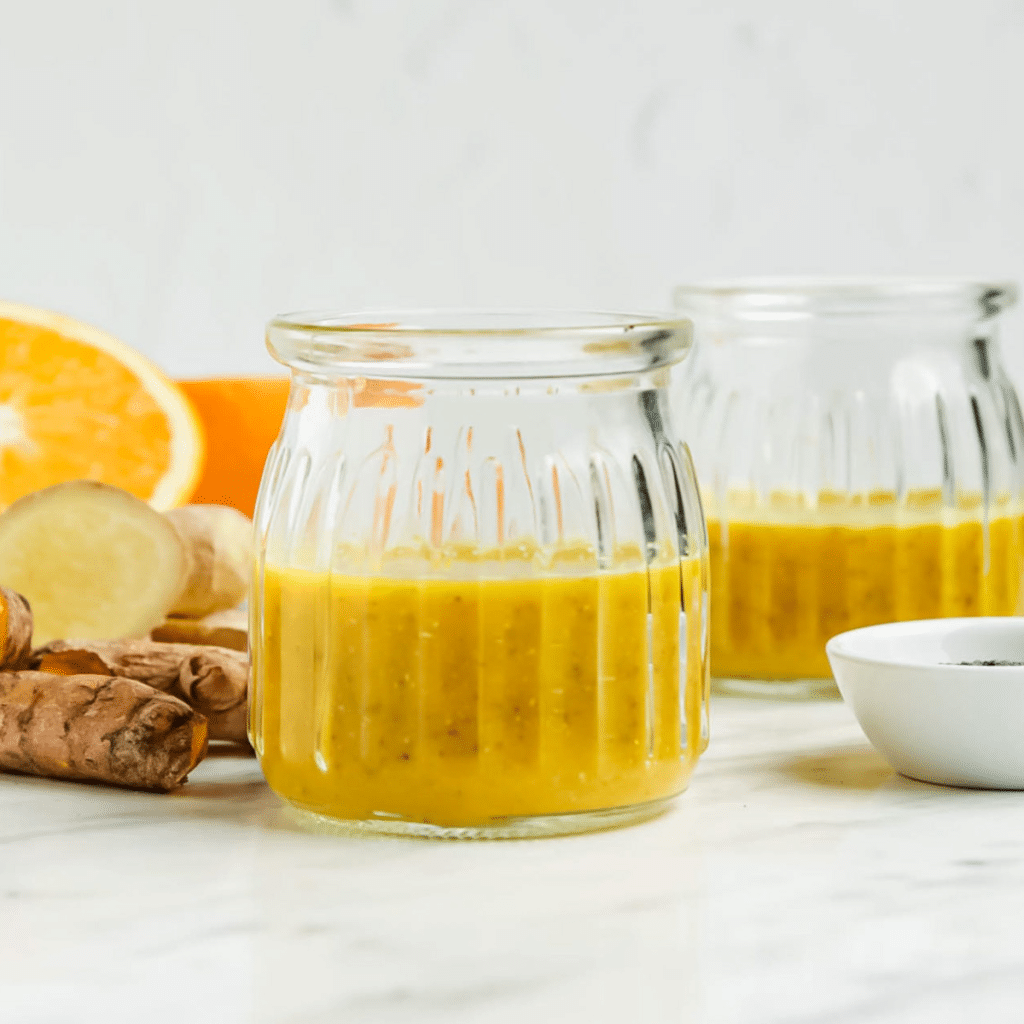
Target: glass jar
<point x="480" y="598"/>
<point x="859" y="448"/>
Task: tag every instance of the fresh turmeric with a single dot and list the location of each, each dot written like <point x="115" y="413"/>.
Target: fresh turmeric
<point x="99" y="728"/>
<point x="100" y="563"/>
<point x="15" y="631"/>
<point x="213" y="680"/>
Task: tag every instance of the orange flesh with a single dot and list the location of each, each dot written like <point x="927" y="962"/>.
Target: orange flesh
<point x="80" y="414"/>
<point x="780" y="589"/>
<point x="458" y="702"/>
<point x="242" y="417"/>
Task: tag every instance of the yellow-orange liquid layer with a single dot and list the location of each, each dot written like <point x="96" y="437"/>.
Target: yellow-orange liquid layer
<point x="780" y="590"/>
<point x="458" y="702"/>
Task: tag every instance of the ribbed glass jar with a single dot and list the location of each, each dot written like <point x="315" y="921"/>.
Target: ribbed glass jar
<point x="480" y="605"/>
<point x="861" y="456"/>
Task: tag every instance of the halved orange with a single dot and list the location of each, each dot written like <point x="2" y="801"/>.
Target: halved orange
<point x="76" y="404"/>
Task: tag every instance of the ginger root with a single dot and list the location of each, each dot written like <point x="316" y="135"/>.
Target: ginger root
<point x="219" y="542"/>
<point x="92" y="560"/>
<point x="98" y="728"/>
<point x="213" y="680"/>
<point x="228" y="628"/>
<point x="15" y="631"/>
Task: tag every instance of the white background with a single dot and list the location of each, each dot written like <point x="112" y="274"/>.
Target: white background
<point x="178" y="172"/>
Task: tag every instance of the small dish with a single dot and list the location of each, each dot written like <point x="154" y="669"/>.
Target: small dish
<point x="929" y="698"/>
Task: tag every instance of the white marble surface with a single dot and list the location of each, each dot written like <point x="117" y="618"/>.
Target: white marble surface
<point x="797" y="882"/>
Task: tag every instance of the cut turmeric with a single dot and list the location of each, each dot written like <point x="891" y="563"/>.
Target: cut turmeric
<point x="15" y="631"/>
<point x="99" y="728"/>
<point x="213" y="680"/>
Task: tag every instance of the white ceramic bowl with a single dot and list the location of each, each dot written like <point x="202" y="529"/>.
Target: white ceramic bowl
<point x="933" y="718"/>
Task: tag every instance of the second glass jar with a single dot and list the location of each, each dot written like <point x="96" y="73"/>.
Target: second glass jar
<point x="861" y="457"/>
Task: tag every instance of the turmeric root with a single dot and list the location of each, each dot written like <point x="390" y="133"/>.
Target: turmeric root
<point x="213" y="680"/>
<point x="229" y="628"/>
<point x="219" y="544"/>
<point x="157" y="665"/>
<point x="96" y="727"/>
<point x="15" y="631"/>
<point x="92" y="560"/>
<point x="231" y="726"/>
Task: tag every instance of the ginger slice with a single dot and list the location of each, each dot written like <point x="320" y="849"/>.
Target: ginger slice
<point x="228" y="628"/>
<point x="99" y="728"/>
<point x="92" y="560"/>
<point x="219" y="541"/>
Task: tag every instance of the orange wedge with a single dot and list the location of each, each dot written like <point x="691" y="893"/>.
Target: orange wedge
<point x="242" y="417"/>
<point x="78" y="404"/>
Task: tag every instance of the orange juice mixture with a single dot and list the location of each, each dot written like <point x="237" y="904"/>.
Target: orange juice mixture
<point x="781" y="587"/>
<point x="459" y="701"/>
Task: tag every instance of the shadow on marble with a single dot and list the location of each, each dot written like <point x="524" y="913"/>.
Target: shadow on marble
<point x="248" y="801"/>
<point x="861" y="769"/>
<point x="842" y="768"/>
<point x="223" y="790"/>
<point x="219" y="749"/>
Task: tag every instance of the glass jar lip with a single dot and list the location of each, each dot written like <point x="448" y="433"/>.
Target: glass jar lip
<point x="794" y="298"/>
<point x="467" y="342"/>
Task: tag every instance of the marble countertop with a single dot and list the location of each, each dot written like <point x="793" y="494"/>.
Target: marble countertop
<point x="799" y="881"/>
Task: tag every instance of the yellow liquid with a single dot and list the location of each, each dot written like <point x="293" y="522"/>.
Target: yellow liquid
<point x="458" y="702"/>
<point x="780" y="588"/>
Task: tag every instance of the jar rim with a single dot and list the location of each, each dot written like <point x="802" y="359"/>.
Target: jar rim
<point x="771" y="298"/>
<point x="455" y="343"/>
